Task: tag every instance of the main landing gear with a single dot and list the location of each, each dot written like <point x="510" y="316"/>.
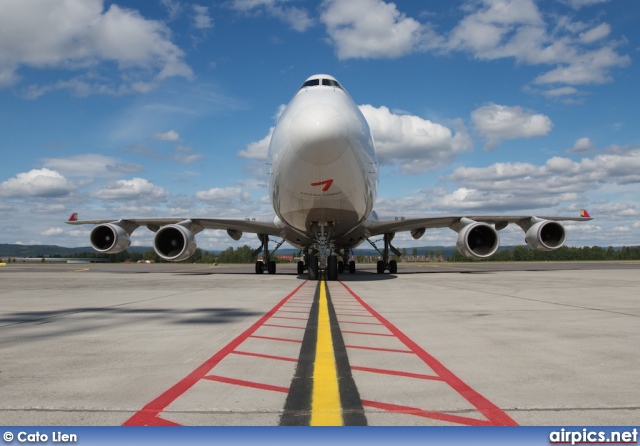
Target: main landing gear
<point x="385" y="264"/>
<point x="269" y="265"/>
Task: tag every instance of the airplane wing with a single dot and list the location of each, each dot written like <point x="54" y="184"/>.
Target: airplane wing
<point x="401" y="223"/>
<point x="477" y="234"/>
<point x="250" y="225"/>
<point x="174" y="239"/>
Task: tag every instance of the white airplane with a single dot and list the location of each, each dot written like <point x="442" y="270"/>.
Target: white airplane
<point x="323" y="184"/>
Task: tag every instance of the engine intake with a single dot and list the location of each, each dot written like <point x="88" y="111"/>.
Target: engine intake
<point x="545" y="235"/>
<point x="174" y="243"/>
<point x="109" y="238"/>
<point x="477" y="240"/>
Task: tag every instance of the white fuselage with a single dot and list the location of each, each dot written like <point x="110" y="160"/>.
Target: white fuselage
<point x="323" y="166"/>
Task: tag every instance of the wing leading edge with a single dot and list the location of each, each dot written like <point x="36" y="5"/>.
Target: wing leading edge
<point x="388" y="224"/>
<point x="175" y="237"/>
<point x="477" y="234"/>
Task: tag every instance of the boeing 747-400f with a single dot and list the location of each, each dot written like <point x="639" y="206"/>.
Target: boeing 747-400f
<point x="323" y="185"/>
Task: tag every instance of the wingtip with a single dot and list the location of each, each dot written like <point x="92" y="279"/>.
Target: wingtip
<point x="73" y="217"/>
<point x="584" y="213"/>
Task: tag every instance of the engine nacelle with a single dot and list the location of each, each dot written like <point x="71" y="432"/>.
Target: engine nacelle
<point x="545" y="236"/>
<point x="477" y="240"/>
<point x="174" y="243"/>
<point x="109" y="238"/>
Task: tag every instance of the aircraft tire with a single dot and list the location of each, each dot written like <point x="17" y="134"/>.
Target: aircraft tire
<point x="300" y="267"/>
<point x="312" y="264"/>
<point x="380" y="266"/>
<point x="332" y="268"/>
<point x="259" y="267"/>
<point x="393" y="267"/>
<point x="271" y="267"/>
<point x="352" y="267"/>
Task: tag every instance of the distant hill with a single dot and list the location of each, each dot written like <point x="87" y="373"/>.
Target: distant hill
<point x="13" y="250"/>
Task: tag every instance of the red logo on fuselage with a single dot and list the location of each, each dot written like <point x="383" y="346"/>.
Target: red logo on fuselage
<point x="326" y="184"/>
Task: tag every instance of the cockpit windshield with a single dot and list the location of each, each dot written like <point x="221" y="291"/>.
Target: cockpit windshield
<point x="323" y="82"/>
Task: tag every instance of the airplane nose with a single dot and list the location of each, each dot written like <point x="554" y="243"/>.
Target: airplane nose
<point x="319" y="134"/>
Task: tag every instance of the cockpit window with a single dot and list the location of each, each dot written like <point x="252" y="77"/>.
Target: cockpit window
<point x="331" y="83"/>
<point x="311" y="83"/>
<point x="325" y="82"/>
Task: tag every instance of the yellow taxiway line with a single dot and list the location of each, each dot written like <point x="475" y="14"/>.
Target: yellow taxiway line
<point x="325" y="397"/>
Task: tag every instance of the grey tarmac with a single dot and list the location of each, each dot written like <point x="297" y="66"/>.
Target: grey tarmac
<point x="553" y="343"/>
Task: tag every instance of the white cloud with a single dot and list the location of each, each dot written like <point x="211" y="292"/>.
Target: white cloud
<point x="497" y="123"/>
<point x="560" y="92"/>
<point x="594" y="34"/>
<point x="416" y="144"/>
<point x="171" y="135"/>
<point x="297" y="18"/>
<point x="80" y="36"/>
<point x="508" y="186"/>
<point x="224" y="195"/>
<point x="134" y="189"/>
<point x="51" y="232"/>
<point x="370" y="29"/>
<point x="579" y="53"/>
<point x="258" y="150"/>
<point x="581" y="146"/>
<point x="37" y="183"/>
<point x="201" y="18"/>
<point x="577" y="4"/>
<point x="90" y="165"/>
<point x="187" y="159"/>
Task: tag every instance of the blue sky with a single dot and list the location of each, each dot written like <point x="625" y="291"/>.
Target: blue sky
<point x="141" y="109"/>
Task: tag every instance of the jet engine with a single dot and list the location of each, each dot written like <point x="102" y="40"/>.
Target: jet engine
<point x="174" y="243"/>
<point x="545" y="235"/>
<point x="109" y="238"/>
<point x="477" y="240"/>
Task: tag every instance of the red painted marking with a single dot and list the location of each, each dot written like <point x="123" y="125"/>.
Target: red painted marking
<point x="152" y="409"/>
<point x="367" y="333"/>
<point x="269" y="338"/>
<point x="361" y="323"/>
<point x="354" y="315"/>
<point x="493" y="413"/>
<point x="290" y="318"/>
<point x="378" y="349"/>
<point x="326" y="183"/>
<point x="284" y="326"/>
<point x="260" y="355"/>
<point x="253" y="385"/>
<point x="425" y="413"/>
<point x="396" y="373"/>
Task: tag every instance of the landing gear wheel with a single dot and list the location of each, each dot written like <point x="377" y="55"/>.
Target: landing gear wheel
<point x="340" y="267"/>
<point x="380" y="266"/>
<point x="393" y="267"/>
<point x="271" y="267"/>
<point x="300" y="267"/>
<point x="332" y="267"/>
<point x="259" y="267"/>
<point x="312" y="263"/>
<point x="352" y="267"/>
